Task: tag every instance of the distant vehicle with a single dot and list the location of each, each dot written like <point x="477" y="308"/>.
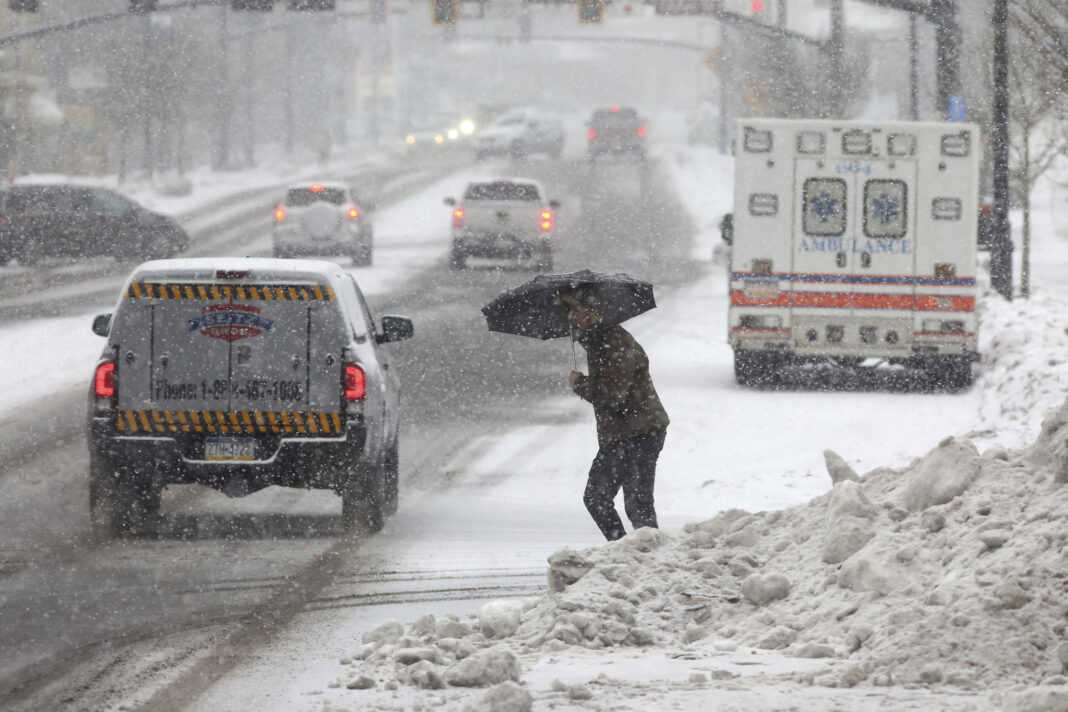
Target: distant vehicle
<point x="437" y="132"/>
<point x="520" y="132"/>
<point x="323" y="219"/>
<point x="506" y="218"/>
<point x="617" y="131"/>
<point x="39" y="221"/>
<point x="854" y="240"/>
<point x="237" y="374"/>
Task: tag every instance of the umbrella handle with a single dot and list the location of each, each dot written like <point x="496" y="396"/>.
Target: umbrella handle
<point x="574" y="357"/>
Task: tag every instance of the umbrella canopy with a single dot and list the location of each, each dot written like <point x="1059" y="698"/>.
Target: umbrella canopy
<point x="534" y="308"/>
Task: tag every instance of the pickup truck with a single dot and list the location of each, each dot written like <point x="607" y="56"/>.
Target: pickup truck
<point x="505" y="218"/>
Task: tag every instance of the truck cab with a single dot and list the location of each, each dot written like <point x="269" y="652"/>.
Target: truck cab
<point x="854" y="241"/>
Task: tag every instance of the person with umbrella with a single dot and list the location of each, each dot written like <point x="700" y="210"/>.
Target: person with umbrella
<point x="631" y="421"/>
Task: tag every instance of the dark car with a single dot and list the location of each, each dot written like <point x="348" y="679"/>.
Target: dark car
<point x="617" y="131"/>
<point x="238" y="374"/>
<point x="42" y="221"/>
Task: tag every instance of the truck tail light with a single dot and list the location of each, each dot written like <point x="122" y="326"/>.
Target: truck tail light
<point x="641" y="131"/>
<point x="280" y="213"/>
<point x="354" y="386"/>
<point x="591" y="134"/>
<point x="355" y="382"/>
<point x="546" y="220"/>
<point x="353" y="212"/>
<point x="104" y="388"/>
<point x="458" y="217"/>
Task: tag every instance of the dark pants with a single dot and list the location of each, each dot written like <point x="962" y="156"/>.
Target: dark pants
<point x="630" y="464"/>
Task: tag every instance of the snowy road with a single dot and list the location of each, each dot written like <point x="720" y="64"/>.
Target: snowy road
<point x="493" y="452"/>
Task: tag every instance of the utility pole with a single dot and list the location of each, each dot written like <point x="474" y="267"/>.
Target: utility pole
<point x="221" y="154"/>
<point x="836" y="58"/>
<point x="1001" y="241"/>
<point x="914" y="74"/>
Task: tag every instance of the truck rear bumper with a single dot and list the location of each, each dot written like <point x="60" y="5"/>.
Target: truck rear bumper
<point x="293" y="462"/>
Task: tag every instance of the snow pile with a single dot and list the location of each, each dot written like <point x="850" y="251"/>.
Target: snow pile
<point x="952" y="571"/>
<point x="1025" y="360"/>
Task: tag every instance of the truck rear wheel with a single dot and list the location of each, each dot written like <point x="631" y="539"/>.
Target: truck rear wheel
<point x="362" y="503"/>
<point x="121" y="504"/>
<point x="755" y="368"/>
<point x="391" y="480"/>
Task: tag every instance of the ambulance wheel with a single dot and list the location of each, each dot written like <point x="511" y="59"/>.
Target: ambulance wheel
<point x="754" y="368"/>
<point x="361" y="503"/>
<point x="952" y="373"/>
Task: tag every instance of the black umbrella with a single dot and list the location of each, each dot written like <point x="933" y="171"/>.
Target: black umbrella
<point x="534" y="308"/>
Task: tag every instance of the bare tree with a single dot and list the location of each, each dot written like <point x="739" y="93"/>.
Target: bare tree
<point x="1038" y="71"/>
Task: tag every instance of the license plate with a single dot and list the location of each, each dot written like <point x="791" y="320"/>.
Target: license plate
<point x="761" y="288"/>
<point x="229" y="449"/>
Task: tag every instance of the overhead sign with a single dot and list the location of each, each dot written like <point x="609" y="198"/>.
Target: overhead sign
<point x="687" y="7"/>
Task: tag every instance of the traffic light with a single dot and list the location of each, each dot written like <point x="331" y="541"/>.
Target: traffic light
<point x="590" y="11"/>
<point x="443" y="12"/>
<point x="312" y="5"/>
<point x="23" y="5"/>
<point x="260" y="5"/>
<point x="144" y="5"/>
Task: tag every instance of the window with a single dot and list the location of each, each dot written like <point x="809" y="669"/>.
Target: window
<point x="945" y="209"/>
<point x="350" y="298"/>
<point x="811" y="142"/>
<point x="901" y="144"/>
<point x="103" y="201"/>
<point x="885" y="208"/>
<point x="763" y="204"/>
<point x="502" y="190"/>
<point x="300" y="197"/>
<point x="824" y="206"/>
<point x="958" y="144"/>
<point x="856" y="142"/>
<point x="757" y="141"/>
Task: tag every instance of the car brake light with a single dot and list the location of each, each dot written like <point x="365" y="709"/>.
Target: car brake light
<point x="546" y="220"/>
<point x="316" y="188"/>
<point x="591" y="134"/>
<point x="641" y="131"/>
<point x="615" y="109"/>
<point x="355" y="382"/>
<point x="353" y="212"/>
<point x="280" y="213"/>
<point x="104" y="382"/>
<point x="458" y="217"/>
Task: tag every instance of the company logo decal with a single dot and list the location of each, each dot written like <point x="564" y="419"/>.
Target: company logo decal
<point x="230" y="322"/>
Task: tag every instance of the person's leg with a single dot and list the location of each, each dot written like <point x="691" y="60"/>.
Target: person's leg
<point x="642" y="453"/>
<point x="601" y="489"/>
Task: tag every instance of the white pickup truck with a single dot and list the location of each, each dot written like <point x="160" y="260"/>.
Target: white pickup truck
<point x="503" y="218"/>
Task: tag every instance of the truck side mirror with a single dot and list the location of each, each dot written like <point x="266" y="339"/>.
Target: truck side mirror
<point x="726" y="228"/>
<point x="102" y="324"/>
<point x="395" y="328"/>
<point x="450" y="201"/>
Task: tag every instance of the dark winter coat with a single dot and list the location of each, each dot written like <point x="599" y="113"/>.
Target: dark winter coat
<point x="625" y="404"/>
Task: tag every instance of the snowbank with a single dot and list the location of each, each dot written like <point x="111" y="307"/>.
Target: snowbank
<point x="949" y="573"/>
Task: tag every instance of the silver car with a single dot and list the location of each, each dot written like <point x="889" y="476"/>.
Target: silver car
<point x="323" y="219"/>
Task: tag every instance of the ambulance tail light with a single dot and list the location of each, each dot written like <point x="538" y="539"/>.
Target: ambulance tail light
<point x="104" y="388"/>
<point x="354" y="387"/>
<point x="591" y="134"/>
<point x="760" y="321"/>
<point x="458" y="217"/>
<point x="762" y="266"/>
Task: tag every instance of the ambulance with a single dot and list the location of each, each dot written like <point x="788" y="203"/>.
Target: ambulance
<point x="854" y="242"/>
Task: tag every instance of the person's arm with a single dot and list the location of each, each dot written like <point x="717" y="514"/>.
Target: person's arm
<point x="609" y="388"/>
